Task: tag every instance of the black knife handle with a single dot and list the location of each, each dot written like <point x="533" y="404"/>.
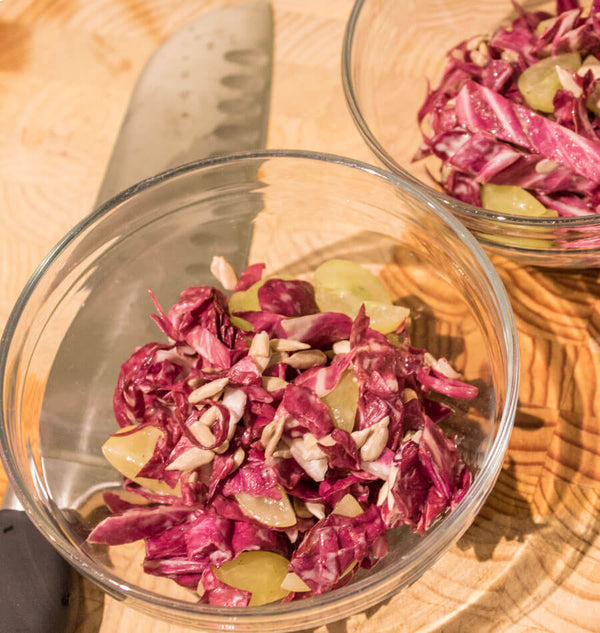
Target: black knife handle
<point x="36" y="583"/>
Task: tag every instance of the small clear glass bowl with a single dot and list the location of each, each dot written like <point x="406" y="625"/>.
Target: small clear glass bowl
<point x="87" y="307"/>
<point x="391" y="51"/>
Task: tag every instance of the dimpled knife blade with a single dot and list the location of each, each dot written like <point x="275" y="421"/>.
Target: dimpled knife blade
<point x="204" y="92"/>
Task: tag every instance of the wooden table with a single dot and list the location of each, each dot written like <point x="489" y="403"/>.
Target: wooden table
<point x="530" y="562"/>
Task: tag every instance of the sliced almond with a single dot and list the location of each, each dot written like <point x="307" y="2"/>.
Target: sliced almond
<point x="293" y="582"/>
<point x="208" y="390"/>
<point x="306" y="359"/>
<point x="223" y="271"/>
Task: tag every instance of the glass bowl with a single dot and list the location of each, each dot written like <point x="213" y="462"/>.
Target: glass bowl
<point x="391" y="51"/>
<point x="87" y="307"/>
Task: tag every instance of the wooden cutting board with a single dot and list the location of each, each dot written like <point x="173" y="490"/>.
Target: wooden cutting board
<point x="530" y="561"/>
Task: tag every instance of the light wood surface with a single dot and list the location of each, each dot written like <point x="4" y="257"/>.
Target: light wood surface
<point x="530" y="561"/>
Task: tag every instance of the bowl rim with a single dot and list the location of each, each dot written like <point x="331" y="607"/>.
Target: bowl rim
<point x="465" y="210"/>
<point x="326" y="607"/>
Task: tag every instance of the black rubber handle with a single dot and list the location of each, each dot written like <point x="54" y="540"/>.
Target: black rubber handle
<point x="36" y="584"/>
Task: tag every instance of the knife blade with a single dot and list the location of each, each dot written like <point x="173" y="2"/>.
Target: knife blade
<point x="205" y="91"/>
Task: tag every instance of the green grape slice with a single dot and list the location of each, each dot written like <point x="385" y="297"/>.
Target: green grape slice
<point x="272" y="512"/>
<point x="538" y="83"/>
<point x="130" y="453"/>
<point x="342" y="401"/>
<point x="349" y="277"/>
<point x="343" y="286"/>
<point x="260" y="573"/>
<point x="513" y="201"/>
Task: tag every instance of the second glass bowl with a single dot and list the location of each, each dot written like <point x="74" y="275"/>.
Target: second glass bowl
<point x="391" y="51"/>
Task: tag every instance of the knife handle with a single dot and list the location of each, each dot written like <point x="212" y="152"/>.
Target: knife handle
<point x="36" y="583"/>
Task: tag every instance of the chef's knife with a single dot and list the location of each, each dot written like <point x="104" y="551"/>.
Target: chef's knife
<point x="205" y="91"/>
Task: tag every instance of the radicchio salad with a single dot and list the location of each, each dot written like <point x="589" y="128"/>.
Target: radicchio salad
<point x="274" y="437"/>
<point x="515" y="118"/>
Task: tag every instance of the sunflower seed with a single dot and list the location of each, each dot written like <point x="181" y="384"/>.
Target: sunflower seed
<point x="210" y="415"/>
<point x="273" y="383"/>
<point x="202" y="433"/>
<point x="287" y="345"/>
<point x="208" y="390"/>
<point x="191" y="459"/>
<point x="278" y="357"/>
<point x="271" y="435"/>
<point x="222" y="448"/>
<point x="306" y="359"/>
<point x="260" y="350"/>
<point x="283" y="452"/>
<point x="375" y="444"/>
<point x="238" y="457"/>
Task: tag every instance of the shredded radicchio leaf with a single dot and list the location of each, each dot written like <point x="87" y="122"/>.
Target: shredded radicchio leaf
<point x="241" y="430"/>
<point x="479" y="124"/>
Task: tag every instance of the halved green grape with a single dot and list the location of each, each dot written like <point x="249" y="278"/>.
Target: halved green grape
<point x="513" y="201"/>
<point x="130" y="453"/>
<point x="272" y="512"/>
<point x="347" y="506"/>
<point x="342" y="401"/>
<point x="258" y="572"/>
<point x="517" y="242"/>
<point x="334" y="300"/>
<point x="346" y="276"/>
<point x="385" y="317"/>
<point x="244" y="301"/>
<point x="538" y="83"/>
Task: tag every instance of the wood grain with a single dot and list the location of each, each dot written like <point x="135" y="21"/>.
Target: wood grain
<point x="530" y="561"/>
